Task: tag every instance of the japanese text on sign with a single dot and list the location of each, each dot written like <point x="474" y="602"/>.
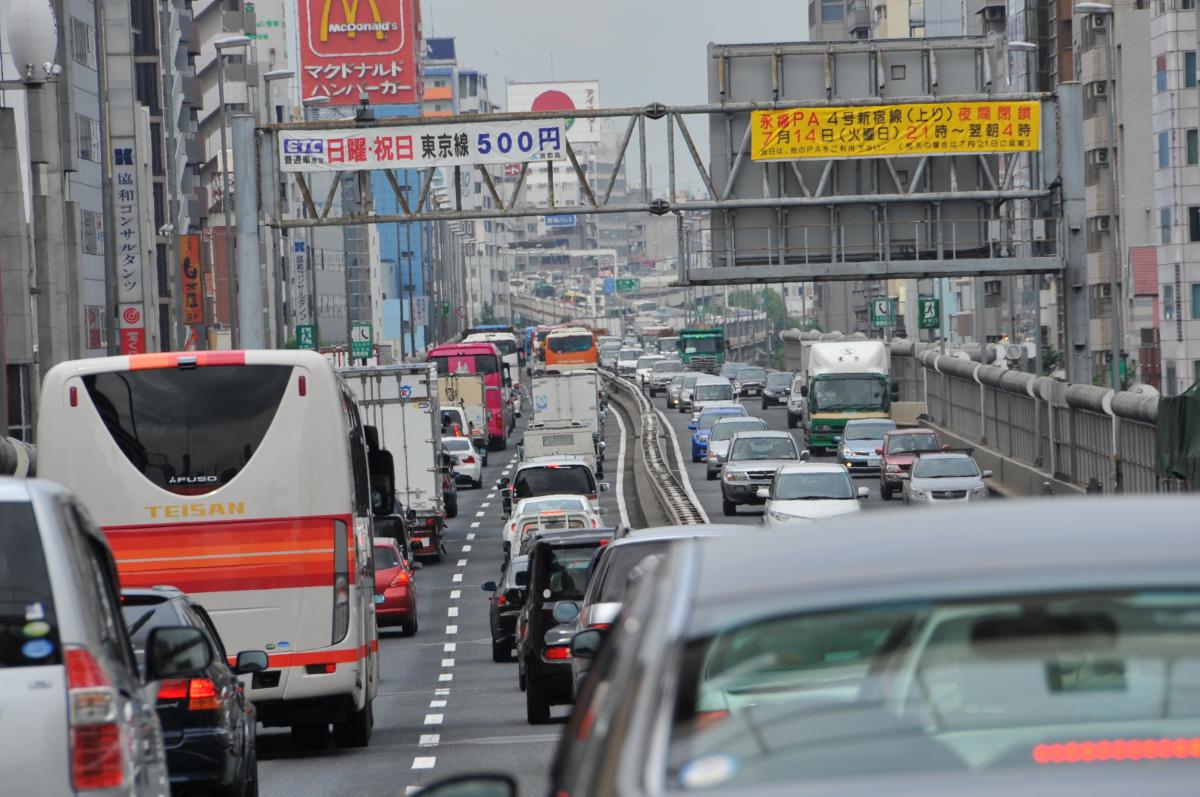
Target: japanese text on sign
<point x="925" y="128"/>
<point x="189" y="268"/>
<point x="421" y="146"/>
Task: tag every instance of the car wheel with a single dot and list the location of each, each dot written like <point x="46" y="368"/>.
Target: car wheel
<point x="695" y="458"/>
<point x="249" y="785"/>
<point x="710" y="475"/>
<point x="885" y="492"/>
<point x="764" y="405"/>
<point x="452" y="508"/>
<point x="356" y="730"/>
<point x="791" y="421"/>
<point x="310" y="736"/>
<point x="537" y="708"/>
<point x="728" y="508"/>
<point x="408" y="629"/>
<point x="501" y="651"/>
<point x="477" y="483"/>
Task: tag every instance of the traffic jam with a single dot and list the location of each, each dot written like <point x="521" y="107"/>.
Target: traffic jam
<point x="258" y="617"/>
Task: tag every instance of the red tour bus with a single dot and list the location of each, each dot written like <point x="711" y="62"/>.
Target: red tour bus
<point x="480" y="358"/>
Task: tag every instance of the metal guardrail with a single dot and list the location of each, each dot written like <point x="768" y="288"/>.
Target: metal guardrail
<point x="667" y="487"/>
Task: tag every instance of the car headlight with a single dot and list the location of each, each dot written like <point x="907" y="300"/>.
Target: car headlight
<point x="917" y="492"/>
<point x="780" y="517"/>
<point x="892" y="468"/>
<point x="737" y="476"/>
<point x="846" y="452"/>
<point x="979" y="492"/>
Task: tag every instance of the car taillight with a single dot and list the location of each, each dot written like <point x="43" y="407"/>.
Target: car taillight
<point x="502" y="600"/>
<point x="203" y="695"/>
<point x="97" y="754"/>
<point x="601" y="626"/>
<point x="175" y="689"/>
<point x="557" y="653"/>
<point x="707" y="719"/>
<point x="341" y="582"/>
<point x="401" y="579"/>
<point x="468" y="460"/>
<point x="595" y="523"/>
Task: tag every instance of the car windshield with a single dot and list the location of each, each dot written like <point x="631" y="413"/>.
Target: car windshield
<point x="714" y="392"/>
<point x="667" y="366"/>
<point x="944" y="468"/>
<point x="708" y="419"/>
<point x="909" y="443"/>
<point x="620" y="563"/>
<point x="552" y="505"/>
<point x="677" y="380"/>
<point x="862" y="393"/>
<point x="386" y="557"/>
<point x="689" y="381"/>
<point x="940" y="685"/>
<point x="647" y="362"/>
<point x="779" y="380"/>
<point x="752" y="374"/>
<point x="456" y="444"/>
<point x="867" y="430"/>
<point x="729" y="370"/>
<point x="725" y="429"/>
<point x="764" y="448"/>
<point x="570" y="479"/>
<point x="809" y="486"/>
<point x="629" y="354"/>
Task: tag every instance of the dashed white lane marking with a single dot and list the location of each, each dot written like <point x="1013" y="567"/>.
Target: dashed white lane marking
<point x="447" y="662"/>
<point x="451" y="629"/>
<point x="480" y="513"/>
<point x="429" y="739"/>
<point x="466" y="549"/>
<point x="437" y="703"/>
<point x="455" y="594"/>
<point x="449" y="647"/>
<point x="474" y="525"/>
<point x="491" y="496"/>
<point x="423" y="762"/>
<point x="471" y="535"/>
<point x="452" y="611"/>
<point x="461" y="563"/>
<point x="446" y="677"/>
<point x="456" y="578"/>
<point x="441" y="692"/>
<point x="485" y="505"/>
<point x="433" y="719"/>
<point x="413" y="789"/>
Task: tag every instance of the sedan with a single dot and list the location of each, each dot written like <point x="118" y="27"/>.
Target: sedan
<point x="945" y="478"/>
<point x="467" y="464"/>
<point x="749" y="381"/>
<point x="674" y="388"/>
<point x="395" y="592"/>
<point x="504" y="606"/>
<point x="777" y="388"/>
<point x="860" y="439"/>
<point x="809" y="491"/>
<point x="661" y="374"/>
<point x="720" y="436"/>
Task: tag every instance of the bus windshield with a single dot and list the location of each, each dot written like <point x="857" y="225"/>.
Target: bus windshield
<point x="189" y="431"/>
<point x="570" y="344"/>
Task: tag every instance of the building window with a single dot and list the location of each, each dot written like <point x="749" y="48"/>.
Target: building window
<point x="93" y="318"/>
<point x="1194" y="223"/>
<point x="1169" y="384"/>
<point x="1160" y="73"/>
<point x="1189" y="69"/>
<point x="1168" y="302"/>
<point x="1164" y="150"/>
<point x="1193" y="146"/>
<point x="83" y="43"/>
<point x="89" y="138"/>
<point x="1196" y="300"/>
<point x="1187" y="5"/>
<point x="1164" y="224"/>
<point x="92" y="232"/>
<point x="832" y="10"/>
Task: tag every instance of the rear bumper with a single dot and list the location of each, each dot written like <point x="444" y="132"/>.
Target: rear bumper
<point x="552" y="681"/>
<point x="331" y="708"/>
<point x="201" y="756"/>
<point x="399" y="606"/>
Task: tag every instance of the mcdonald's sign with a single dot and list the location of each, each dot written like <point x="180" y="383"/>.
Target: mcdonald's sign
<point x="351" y="47"/>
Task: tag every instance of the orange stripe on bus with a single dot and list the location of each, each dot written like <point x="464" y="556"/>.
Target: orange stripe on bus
<point x="304" y="658"/>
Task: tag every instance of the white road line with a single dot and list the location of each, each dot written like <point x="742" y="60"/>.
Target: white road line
<point x="437" y="703"/>
<point x="471" y="535"/>
<point x="447" y="662"/>
<point x="424" y="762"/>
<point x="484" y="505"/>
<point x="621" y="509"/>
<point x="433" y="719"/>
<point x="461" y="563"/>
<point x="456" y="578"/>
<point x="451" y="629"/>
<point x="466" y="549"/>
<point x="441" y="692"/>
<point x="491" y="495"/>
<point x="687" y="483"/>
<point x="446" y="677"/>
<point x="429" y="740"/>
<point x="455" y="594"/>
<point x="449" y="647"/>
<point x="480" y="513"/>
<point x="474" y="525"/>
<point x="452" y="611"/>
<point x="412" y="790"/>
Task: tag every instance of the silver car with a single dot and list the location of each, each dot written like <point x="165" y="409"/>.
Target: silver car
<point x="661" y="374"/>
<point x="721" y="435"/>
<point x="860" y="439"/>
<point x="751" y="463"/>
<point x="686" y="387"/>
<point x="948" y="477"/>
<point x="76" y="714"/>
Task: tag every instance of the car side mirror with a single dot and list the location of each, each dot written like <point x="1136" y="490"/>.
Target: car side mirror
<point x="987" y="474"/>
<point x="805" y="455"/>
<point x="504" y="482"/>
<point x="566" y="612"/>
<point x="472" y="786"/>
<point x="522" y="578"/>
<point x="945" y="447"/>
<point x="691" y="427"/>
<point x="249" y="661"/>
<point x="489" y="586"/>
<point x="176" y="651"/>
<point x="864" y="492"/>
<point x="603" y="445"/>
<point x="879" y="451"/>
<point x="604" y="487"/>
<point x="763" y="492"/>
<point x="804" y="390"/>
<point x="586" y="644"/>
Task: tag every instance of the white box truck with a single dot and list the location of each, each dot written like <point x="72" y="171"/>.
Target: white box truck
<point x="560" y="439"/>
<point x="466" y="391"/>
<point x="401" y="402"/>
<point x="844" y="380"/>
<point x="568" y="396"/>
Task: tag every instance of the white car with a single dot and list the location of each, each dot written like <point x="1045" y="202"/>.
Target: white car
<point x="468" y="463"/>
<point x="645" y="365"/>
<point x="808" y="491"/>
<point x="710" y="391"/>
<point x="532" y="507"/>
<point x="627" y="361"/>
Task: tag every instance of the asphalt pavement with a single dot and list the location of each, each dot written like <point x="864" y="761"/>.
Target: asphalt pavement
<point x="444" y="707"/>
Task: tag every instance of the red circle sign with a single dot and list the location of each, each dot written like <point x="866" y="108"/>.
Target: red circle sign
<point x="131" y="316"/>
<point x="552" y="100"/>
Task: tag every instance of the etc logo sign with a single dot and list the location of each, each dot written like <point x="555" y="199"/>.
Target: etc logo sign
<point x="355" y="27"/>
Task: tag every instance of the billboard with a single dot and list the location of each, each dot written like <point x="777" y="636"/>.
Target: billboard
<point x="420" y="146"/>
<point x="352" y="46"/>
<point x="189" y="267"/>
<point x="564" y="96"/>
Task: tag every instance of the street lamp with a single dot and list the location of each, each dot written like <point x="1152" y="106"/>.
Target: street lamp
<point x="276" y="281"/>
<point x="310" y="105"/>
<point x="1114" y="287"/>
<point x="229" y="42"/>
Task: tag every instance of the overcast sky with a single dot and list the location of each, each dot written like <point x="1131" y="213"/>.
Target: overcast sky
<point x="640" y="50"/>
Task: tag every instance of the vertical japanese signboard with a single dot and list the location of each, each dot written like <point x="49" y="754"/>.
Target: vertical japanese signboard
<point x="420" y="310"/>
<point x="189" y="268"/>
<point x="353" y="46"/>
<point x="300" y="283"/>
<point x="132" y="324"/>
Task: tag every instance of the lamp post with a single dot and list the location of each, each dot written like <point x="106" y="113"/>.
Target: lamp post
<point x="276" y="277"/>
<point x="1114" y="286"/>
<point x="312" y="104"/>
<point x="229" y="42"/>
<point x="1027" y="48"/>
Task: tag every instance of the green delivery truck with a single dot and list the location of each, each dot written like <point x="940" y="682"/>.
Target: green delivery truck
<point x="702" y="349"/>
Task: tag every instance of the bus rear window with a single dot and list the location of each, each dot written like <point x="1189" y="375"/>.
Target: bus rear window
<point x="189" y="431"/>
<point x="28" y="626"/>
<point x="570" y="344"/>
<point x="467" y="364"/>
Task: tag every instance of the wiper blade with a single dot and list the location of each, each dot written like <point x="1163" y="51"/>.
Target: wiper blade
<point x="137" y="624"/>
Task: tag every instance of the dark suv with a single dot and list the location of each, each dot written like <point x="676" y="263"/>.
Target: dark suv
<point x="559" y="564"/>
<point x="507" y="597"/>
<point x="208" y="723"/>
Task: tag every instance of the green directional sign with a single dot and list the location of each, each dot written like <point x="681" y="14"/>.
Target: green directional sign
<point x="445" y="308"/>
<point x="881" y="311"/>
<point x="629" y="285"/>
<point x="360" y="340"/>
<point x="306" y="336"/>
<point x="929" y="312"/>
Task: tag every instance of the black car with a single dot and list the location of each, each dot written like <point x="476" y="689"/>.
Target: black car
<point x="508" y="595"/>
<point x="749" y="381"/>
<point x="558" y="570"/>
<point x="208" y="723"/>
<point x="449" y="486"/>
<point x="777" y="388"/>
